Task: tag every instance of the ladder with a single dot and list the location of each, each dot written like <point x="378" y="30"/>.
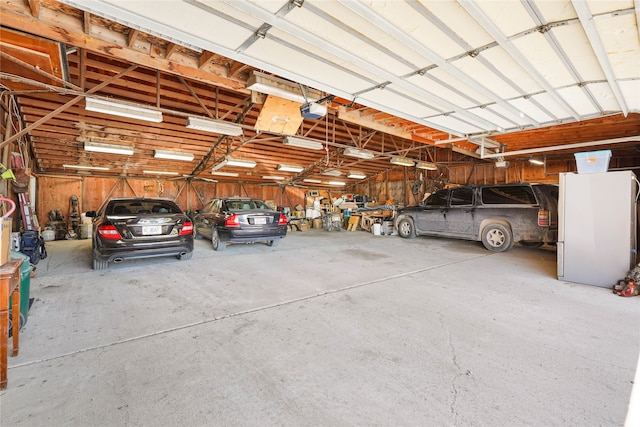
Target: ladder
<point x="29" y="220"/>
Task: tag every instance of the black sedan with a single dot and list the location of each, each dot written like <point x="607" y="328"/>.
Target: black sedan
<point x="240" y="220"/>
<point x="127" y="228"/>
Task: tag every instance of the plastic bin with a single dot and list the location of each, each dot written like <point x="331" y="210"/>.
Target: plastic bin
<point x="25" y="285"/>
<point x="593" y="161"/>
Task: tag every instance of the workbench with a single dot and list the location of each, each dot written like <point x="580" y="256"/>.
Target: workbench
<point x="9" y="286"/>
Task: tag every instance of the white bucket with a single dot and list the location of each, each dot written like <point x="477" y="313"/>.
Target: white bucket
<point x="48" y="235"/>
<point x="377" y="229"/>
<point x="85" y="231"/>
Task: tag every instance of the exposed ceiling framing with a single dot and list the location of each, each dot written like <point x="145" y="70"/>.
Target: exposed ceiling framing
<point x="445" y="82"/>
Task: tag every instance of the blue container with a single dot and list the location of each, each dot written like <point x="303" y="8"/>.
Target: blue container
<point x="593" y="161"/>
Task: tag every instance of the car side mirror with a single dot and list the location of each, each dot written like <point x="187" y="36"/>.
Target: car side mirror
<point x="90" y="214"/>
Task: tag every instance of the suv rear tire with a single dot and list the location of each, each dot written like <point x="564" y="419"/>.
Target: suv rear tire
<point x="497" y="237"/>
<point x="406" y="229"/>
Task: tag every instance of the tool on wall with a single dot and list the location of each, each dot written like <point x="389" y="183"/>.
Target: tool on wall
<point x="74" y="217"/>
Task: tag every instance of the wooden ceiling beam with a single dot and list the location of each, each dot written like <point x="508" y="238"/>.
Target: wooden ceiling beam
<point x="34" y="5"/>
<point x="72" y="31"/>
<point x="132" y="36"/>
<point x="170" y="50"/>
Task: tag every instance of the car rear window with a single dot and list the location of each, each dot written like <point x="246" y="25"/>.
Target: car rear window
<point x="123" y="207"/>
<point x="511" y="195"/>
<point x="244" y="205"/>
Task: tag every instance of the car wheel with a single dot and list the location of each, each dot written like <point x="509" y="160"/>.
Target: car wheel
<point x="497" y="238"/>
<point x="99" y="265"/>
<point x="273" y="243"/>
<point x="215" y="241"/>
<point x="531" y="244"/>
<point x="406" y="229"/>
<point x="184" y="257"/>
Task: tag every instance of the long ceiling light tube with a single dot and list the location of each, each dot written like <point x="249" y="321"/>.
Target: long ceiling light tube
<point x="312" y="180"/>
<point x="295" y="141"/>
<point x="290" y="168"/>
<point x="221" y="173"/>
<point x="332" y="172"/>
<point x="98" y="105"/>
<point x="359" y="153"/>
<point x="207" y="125"/>
<point x="101" y="147"/>
<point x="98" y="168"/>
<point x="427" y="166"/>
<point x="151" y="172"/>
<point x="402" y="161"/>
<point x="230" y="161"/>
<point x="241" y="163"/>
<point x="356" y="175"/>
<point x="173" y="155"/>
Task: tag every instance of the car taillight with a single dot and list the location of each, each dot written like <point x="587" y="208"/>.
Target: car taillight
<point x="232" y="221"/>
<point x="109" y="232"/>
<point x="543" y="218"/>
<point x="187" y="228"/>
<point x="282" y="220"/>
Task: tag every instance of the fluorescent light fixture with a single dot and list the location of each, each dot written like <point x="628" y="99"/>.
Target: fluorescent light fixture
<point x="501" y="163"/>
<point x="286" y="89"/>
<point x="274" y="177"/>
<point x="536" y="161"/>
<point x="241" y="163"/>
<point x="336" y="183"/>
<point x="295" y="141"/>
<point x="123" y="110"/>
<point x="332" y="172"/>
<point x="359" y="153"/>
<point x="290" y="168"/>
<point x="230" y="161"/>
<point x="101" y="147"/>
<point x="173" y="155"/>
<point x="402" y="161"/>
<point x="356" y="175"/>
<point x="220" y="173"/>
<point x="315" y="181"/>
<point x="98" y="168"/>
<point x="223" y="128"/>
<point x="426" y="165"/>
<point x="159" y="172"/>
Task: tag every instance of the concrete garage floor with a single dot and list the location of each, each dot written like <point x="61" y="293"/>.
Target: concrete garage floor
<point x="329" y="328"/>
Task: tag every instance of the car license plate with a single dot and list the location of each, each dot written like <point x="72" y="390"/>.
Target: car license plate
<point x="149" y="230"/>
<point x="260" y="221"/>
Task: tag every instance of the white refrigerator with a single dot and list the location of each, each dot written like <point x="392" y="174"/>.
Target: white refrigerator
<point x="597" y="227"/>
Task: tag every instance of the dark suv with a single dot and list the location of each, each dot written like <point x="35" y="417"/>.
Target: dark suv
<point x="496" y="215"/>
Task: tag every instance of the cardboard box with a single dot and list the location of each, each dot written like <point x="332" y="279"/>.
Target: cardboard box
<point x="5" y="240"/>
